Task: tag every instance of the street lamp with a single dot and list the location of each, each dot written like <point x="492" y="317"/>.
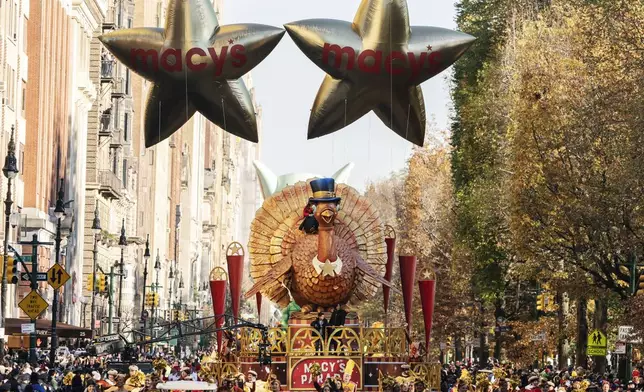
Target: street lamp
<point x="59" y="212"/>
<point x="157" y="267"/>
<point x="122" y="244"/>
<point x="96" y="229"/>
<point x="10" y="171"/>
<point x="146" y="258"/>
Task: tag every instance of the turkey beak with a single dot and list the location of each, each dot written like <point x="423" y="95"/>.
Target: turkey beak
<point x="327" y="216"/>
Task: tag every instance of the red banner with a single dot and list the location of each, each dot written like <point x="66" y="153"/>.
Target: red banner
<point x="258" y="301"/>
<point x="235" y="276"/>
<point x="218" y="294"/>
<point x="407" y="277"/>
<point x="391" y="247"/>
<point x="427" y="290"/>
<point x="302" y="378"/>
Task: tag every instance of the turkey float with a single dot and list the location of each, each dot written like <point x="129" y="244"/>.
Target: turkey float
<point x="343" y="262"/>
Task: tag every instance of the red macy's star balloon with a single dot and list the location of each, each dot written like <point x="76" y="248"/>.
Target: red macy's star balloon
<point x="375" y="63"/>
<point x="195" y="65"/>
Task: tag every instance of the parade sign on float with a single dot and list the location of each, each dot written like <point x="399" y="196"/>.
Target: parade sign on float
<point x="302" y="377"/>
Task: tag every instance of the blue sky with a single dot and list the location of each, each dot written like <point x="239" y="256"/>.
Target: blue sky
<point x="286" y="84"/>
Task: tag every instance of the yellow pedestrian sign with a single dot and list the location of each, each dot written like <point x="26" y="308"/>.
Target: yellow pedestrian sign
<point x="597" y="343"/>
<point x="57" y="276"/>
<point x="33" y="304"/>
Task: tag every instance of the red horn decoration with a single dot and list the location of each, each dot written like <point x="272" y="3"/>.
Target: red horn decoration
<point x="235" y="261"/>
<point x="218" y="279"/>
<point x="258" y="301"/>
<point x="407" y="277"/>
<point x="427" y="289"/>
<point x="390" y="241"/>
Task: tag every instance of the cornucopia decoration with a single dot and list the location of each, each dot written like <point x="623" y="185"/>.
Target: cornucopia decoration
<point x="67" y="380"/>
<point x="208" y="373"/>
<point x="316" y="369"/>
<point x="387" y="383"/>
<point x="160" y="364"/>
<point x="482" y="382"/>
<point x="135" y="382"/>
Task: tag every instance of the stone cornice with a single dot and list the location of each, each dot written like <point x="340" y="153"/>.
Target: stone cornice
<point x="88" y="14"/>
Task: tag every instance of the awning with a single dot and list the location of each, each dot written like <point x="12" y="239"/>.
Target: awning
<point x="43" y="328"/>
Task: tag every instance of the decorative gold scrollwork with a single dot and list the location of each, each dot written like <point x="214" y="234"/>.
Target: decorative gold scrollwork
<point x="390" y="232"/>
<point x="218" y="273"/>
<point x="235" y="249"/>
<point x="430" y="373"/>
<point x="304" y="341"/>
<point x="278" y="339"/>
<point x="343" y="340"/>
<point x="374" y="341"/>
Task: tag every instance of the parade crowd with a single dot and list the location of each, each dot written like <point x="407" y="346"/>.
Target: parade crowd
<point x="85" y="373"/>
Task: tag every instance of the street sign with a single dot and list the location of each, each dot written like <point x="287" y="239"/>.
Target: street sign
<point x="620" y="348"/>
<point x="40" y="276"/>
<point x="597" y="343"/>
<point x="28" y="328"/>
<point x="503" y="328"/>
<point x="57" y="276"/>
<point x="540" y="337"/>
<point x="107" y="338"/>
<point x="33" y="304"/>
<point x="625" y="334"/>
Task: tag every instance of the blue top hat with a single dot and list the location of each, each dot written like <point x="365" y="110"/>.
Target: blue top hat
<point x="324" y="191"/>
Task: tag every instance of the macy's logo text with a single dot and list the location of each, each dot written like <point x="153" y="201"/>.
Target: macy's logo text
<point x="196" y="59"/>
<point x="373" y="61"/>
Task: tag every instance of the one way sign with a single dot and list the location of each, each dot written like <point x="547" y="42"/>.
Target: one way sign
<point x="57" y="276"/>
<point x="40" y="276"/>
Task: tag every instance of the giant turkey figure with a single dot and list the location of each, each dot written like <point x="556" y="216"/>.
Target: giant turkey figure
<point x="343" y="262"/>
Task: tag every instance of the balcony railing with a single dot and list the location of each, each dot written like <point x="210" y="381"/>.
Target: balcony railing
<point x="110" y="186"/>
<point x="107" y="70"/>
<point x="107" y="126"/>
<point x="118" y="138"/>
<point x="118" y="88"/>
<point x="111" y="18"/>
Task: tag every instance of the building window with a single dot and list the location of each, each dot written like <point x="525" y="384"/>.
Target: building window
<point x="10" y="84"/>
<point x="125" y="174"/>
<point x="24" y="97"/>
<point x="13" y="20"/>
<point x="24" y="34"/>
<point x="129" y="23"/>
<point x="126" y="126"/>
<point x="21" y="158"/>
<point x="127" y="82"/>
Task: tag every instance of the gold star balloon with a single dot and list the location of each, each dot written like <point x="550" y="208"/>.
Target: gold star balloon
<point x="375" y="64"/>
<point x="195" y="65"/>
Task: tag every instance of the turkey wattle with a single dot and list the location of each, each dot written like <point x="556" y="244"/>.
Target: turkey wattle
<point x="344" y="261"/>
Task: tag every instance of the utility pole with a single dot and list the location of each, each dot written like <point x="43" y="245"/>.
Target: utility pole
<point x="146" y="258"/>
<point x="110" y="303"/>
<point x="633" y="267"/>
<point x="59" y="212"/>
<point x="123" y="245"/>
<point x="10" y="171"/>
<point x="96" y="228"/>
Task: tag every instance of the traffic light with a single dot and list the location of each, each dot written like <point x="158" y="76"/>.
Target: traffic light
<point x="156" y="299"/>
<point x="148" y="299"/>
<point x="12" y="270"/>
<point x="640" y="286"/>
<point x="90" y="283"/>
<point x="100" y="282"/>
<point x="106" y="283"/>
<point x="541" y="302"/>
<point x="176" y="315"/>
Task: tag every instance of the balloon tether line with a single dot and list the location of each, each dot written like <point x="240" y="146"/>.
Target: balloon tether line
<point x="408" y="113"/>
<point x="186" y="78"/>
<point x="159" y="138"/>
<point x="223" y="110"/>
<point x="391" y="74"/>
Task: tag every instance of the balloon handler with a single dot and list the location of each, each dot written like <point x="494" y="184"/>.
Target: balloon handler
<point x="309" y="225"/>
